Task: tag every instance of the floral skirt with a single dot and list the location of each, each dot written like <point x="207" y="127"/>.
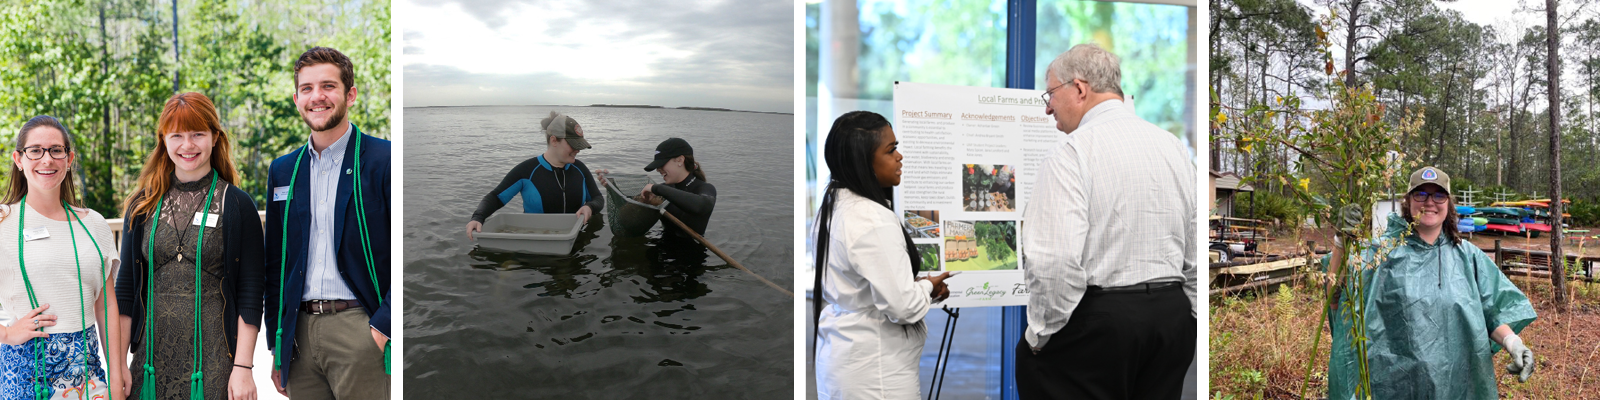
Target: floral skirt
<point x="62" y="363"/>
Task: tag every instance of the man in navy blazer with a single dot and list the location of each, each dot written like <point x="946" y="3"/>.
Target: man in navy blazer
<point x="331" y="303"/>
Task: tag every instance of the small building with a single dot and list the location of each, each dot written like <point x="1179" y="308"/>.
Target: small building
<point x="1225" y="187"/>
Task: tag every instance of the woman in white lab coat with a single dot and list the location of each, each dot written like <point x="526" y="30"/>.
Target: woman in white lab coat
<point x="870" y="333"/>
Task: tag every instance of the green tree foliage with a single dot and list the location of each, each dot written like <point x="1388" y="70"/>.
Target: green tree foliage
<point x="959" y="42"/>
<point x="107" y="67"/>
<point x="1154" y="61"/>
<point x="1481" y="89"/>
<point x="1268" y="206"/>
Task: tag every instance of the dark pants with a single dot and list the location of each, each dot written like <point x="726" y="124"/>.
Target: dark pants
<point x="1115" y="346"/>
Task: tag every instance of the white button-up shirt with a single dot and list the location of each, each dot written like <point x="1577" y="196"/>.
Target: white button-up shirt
<point x="1114" y="205"/>
<point x="322" y="275"/>
<point x="871" y="331"/>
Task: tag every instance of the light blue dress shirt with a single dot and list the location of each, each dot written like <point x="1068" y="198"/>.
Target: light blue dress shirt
<point x="322" y="272"/>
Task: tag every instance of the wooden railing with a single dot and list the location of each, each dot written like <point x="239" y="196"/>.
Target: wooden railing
<point x="1243" y="274"/>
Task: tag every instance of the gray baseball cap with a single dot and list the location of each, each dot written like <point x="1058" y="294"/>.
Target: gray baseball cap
<point x="561" y="126"/>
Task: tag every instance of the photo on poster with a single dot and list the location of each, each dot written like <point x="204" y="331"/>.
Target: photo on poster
<point x="924" y="224"/>
<point x="989" y="187"/>
<point x="929" y="253"/>
<point x="981" y="245"/>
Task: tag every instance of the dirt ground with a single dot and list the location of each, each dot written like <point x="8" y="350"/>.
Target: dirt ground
<point x="1260" y="343"/>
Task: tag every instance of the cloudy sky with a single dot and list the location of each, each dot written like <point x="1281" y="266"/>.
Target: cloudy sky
<point x="736" y="54"/>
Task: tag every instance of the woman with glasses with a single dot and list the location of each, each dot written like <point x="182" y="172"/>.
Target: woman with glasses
<point x="57" y="262"/>
<point x="1437" y="309"/>
<point x="193" y="290"/>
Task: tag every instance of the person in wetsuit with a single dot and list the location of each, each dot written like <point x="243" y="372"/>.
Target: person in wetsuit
<point x="691" y="197"/>
<point x="554" y="182"/>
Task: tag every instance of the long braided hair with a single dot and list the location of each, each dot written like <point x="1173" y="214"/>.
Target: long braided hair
<point x="849" y="152"/>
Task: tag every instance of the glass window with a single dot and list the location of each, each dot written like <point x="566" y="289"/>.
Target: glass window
<point x="856" y="51"/>
<point x="1153" y="41"/>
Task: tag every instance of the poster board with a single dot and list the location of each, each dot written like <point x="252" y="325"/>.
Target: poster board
<point x="970" y="155"/>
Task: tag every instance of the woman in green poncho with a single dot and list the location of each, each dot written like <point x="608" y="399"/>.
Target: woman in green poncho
<point x="1437" y="310"/>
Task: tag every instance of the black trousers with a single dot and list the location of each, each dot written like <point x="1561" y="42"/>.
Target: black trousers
<point x="1115" y="346"/>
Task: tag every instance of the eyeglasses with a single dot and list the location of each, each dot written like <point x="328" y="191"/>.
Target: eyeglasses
<point x="1437" y="198"/>
<point x="1046" y="95"/>
<point x="36" y="152"/>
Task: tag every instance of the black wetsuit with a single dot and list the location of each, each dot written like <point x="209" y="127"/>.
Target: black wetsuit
<point x="691" y="201"/>
<point x="545" y="189"/>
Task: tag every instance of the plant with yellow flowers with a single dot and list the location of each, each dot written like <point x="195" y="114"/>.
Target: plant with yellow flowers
<point x="1344" y="157"/>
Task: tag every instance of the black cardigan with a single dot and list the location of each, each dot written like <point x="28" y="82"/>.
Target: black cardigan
<point x="243" y="263"/>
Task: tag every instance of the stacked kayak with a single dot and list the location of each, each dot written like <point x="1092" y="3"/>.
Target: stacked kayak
<point x="1469" y="222"/>
<point x="1503" y="228"/>
<point x="1507" y="212"/>
<point x="1494" y="219"/>
<point x="1523" y="217"/>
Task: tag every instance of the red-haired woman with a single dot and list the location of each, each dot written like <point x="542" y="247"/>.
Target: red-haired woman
<point x="192" y="293"/>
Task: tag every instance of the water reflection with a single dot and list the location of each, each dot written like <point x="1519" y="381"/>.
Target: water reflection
<point x="670" y="268"/>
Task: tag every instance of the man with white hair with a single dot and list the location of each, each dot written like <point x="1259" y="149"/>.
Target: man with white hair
<point x="1108" y="241"/>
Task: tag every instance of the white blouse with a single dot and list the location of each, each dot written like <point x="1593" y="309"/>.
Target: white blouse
<point x="870" y="333"/>
<point x="51" y="267"/>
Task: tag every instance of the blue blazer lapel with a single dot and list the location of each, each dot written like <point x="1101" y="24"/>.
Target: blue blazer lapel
<point x="300" y="219"/>
<point x="341" y="200"/>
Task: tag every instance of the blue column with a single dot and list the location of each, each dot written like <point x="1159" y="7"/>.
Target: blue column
<point x="1020" y="32"/>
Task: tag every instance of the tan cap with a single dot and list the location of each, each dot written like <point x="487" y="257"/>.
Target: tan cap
<point x="1429" y="175"/>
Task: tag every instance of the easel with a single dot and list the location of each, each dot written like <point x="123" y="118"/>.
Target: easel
<point x="941" y="361"/>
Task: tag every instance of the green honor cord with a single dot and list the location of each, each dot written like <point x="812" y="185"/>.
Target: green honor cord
<point x="104" y="291"/>
<point x="366" y="243"/>
<point x="22" y="217"/>
<point x="366" y="249"/>
<point x="197" y="387"/>
<point x="283" y="258"/>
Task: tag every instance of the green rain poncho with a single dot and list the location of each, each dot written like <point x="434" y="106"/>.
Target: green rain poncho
<point x="1430" y="308"/>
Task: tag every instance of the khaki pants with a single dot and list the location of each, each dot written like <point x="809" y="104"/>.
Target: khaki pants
<point x="337" y="359"/>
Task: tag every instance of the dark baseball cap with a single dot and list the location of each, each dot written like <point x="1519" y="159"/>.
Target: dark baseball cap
<point x="667" y="150"/>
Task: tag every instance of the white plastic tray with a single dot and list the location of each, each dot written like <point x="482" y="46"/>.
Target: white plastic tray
<point x="531" y="233"/>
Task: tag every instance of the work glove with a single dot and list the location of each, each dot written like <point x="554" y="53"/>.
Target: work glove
<point x="1521" y="358"/>
<point x="1350" y="218"/>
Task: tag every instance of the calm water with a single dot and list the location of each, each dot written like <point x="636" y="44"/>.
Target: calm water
<point x="621" y="318"/>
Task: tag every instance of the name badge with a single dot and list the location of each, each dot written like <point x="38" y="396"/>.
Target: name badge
<point x="35" y="234"/>
<point x="211" y="219"/>
<point x="280" y="193"/>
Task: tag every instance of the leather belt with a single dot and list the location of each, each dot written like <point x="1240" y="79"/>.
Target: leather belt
<point x="315" y="307"/>
<point x="1143" y="287"/>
